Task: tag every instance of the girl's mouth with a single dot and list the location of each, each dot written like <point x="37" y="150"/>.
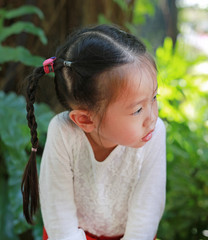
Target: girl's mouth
<point x="147" y="137"/>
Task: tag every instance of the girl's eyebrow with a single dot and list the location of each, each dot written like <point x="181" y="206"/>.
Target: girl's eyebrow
<point x="140" y="101"/>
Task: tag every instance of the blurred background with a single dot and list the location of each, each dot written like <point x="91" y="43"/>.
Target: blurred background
<point x="176" y="34"/>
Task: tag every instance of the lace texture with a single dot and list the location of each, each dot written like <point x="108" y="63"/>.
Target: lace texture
<point x="103" y="189"/>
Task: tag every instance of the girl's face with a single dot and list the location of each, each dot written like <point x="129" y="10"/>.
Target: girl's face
<point x="130" y="120"/>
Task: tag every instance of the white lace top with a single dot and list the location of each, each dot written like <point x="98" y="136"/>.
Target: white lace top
<point x="123" y="195"/>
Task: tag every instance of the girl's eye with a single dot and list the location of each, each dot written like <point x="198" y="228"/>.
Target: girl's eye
<point x="137" y="112"/>
<point x="155" y="97"/>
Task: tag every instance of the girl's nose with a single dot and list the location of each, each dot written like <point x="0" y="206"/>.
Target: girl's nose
<point x="150" y="117"/>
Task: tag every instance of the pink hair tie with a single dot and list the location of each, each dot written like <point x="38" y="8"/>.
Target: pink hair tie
<point x="48" y="65"/>
<point x="34" y="149"/>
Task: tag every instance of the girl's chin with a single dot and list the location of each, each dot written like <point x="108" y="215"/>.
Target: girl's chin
<point x="138" y="145"/>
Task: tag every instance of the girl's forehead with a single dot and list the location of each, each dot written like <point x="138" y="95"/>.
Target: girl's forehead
<point x="128" y="81"/>
<point x="139" y="79"/>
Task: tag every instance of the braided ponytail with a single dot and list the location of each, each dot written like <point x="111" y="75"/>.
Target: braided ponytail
<point x="29" y="186"/>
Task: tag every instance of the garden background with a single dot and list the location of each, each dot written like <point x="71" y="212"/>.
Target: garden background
<point x="175" y="32"/>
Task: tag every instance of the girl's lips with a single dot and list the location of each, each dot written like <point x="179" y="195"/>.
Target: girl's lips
<point x="147" y="137"/>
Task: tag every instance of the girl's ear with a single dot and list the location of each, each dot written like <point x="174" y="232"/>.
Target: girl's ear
<point x="82" y="119"/>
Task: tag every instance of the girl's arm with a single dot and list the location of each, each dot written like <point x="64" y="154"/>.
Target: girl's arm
<point x="56" y="187"/>
<point x="148" y="200"/>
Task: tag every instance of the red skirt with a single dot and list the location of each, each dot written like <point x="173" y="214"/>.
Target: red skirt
<point x="90" y="236"/>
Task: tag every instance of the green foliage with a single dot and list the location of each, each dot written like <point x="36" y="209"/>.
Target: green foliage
<point x="19" y="27"/>
<point x="183" y="105"/>
<point x="103" y="20"/>
<point x="20" y="53"/>
<point x="142" y="8"/>
<point x="24" y="10"/>
<point x="14" y="154"/>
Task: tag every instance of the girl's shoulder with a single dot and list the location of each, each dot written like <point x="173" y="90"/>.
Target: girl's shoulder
<point x="61" y="124"/>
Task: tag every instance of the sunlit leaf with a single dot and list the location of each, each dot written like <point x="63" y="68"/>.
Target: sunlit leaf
<point x="141" y="9"/>
<point x="183" y="105"/>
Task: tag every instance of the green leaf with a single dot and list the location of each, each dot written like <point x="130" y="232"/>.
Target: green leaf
<point x="2" y="16"/>
<point x="19" y="27"/>
<point x="141" y="9"/>
<point x="103" y="20"/>
<point x="19" y="54"/>
<point x="27" y="9"/>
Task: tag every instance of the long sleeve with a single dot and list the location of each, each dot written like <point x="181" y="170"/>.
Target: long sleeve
<point x="56" y="188"/>
<point x="147" y="203"/>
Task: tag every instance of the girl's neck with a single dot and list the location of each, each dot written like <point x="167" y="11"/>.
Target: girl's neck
<point x="100" y="152"/>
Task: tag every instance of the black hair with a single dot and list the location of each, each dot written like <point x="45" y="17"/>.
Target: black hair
<point x="91" y="51"/>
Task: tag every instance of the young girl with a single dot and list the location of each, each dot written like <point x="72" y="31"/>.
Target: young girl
<point x="103" y="170"/>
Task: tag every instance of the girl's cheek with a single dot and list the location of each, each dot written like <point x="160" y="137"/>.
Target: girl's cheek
<point x="155" y="107"/>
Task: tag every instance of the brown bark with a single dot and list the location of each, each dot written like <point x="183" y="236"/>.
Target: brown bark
<point x="169" y="11"/>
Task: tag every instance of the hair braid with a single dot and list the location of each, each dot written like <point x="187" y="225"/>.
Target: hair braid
<point x="29" y="186"/>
